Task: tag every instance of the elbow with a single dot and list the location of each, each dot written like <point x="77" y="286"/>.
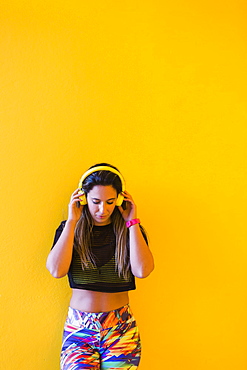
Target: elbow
<point x="57" y="275"/>
<point x="55" y="272"/>
<point x="142" y="275"/>
<point x="143" y="272"/>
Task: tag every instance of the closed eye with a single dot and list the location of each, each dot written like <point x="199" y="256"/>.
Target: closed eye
<point x="98" y="201"/>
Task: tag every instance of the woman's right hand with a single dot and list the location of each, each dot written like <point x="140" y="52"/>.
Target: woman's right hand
<point x="75" y="207"/>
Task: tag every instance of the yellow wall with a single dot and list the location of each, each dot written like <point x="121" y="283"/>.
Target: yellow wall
<point x="159" y="90"/>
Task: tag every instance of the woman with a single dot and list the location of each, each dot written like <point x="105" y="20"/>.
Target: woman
<point x="102" y="248"/>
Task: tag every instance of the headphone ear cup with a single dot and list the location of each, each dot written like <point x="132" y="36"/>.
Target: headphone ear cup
<point x="83" y="198"/>
<point x="120" y="199"/>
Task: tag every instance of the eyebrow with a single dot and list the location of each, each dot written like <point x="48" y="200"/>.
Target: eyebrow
<point x="106" y="199"/>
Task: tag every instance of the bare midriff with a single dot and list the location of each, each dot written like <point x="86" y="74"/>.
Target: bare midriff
<point x="89" y="301"/>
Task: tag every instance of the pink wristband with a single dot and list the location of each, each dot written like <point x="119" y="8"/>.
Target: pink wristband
<point x="133" y="222"/>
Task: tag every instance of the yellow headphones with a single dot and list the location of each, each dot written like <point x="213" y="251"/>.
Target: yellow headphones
<point x="83" y="198"/>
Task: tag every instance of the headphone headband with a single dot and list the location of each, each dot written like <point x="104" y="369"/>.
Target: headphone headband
<point x="102" y="168"/>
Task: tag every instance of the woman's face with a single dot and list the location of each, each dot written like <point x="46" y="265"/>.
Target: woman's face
<point x="101" y="202"/>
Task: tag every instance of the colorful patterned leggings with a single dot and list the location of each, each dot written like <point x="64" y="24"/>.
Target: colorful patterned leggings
<point x="100" y="341"/>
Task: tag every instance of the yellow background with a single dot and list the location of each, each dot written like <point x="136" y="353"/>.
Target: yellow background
<point x="159" y="90"/>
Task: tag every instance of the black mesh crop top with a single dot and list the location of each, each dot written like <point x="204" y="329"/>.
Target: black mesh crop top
<point x="103" y="277"/>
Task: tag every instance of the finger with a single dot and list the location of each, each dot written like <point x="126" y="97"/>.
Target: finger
<point x="78" y="204"/>
<point x="73" y="196"/>
<point x="76" y="191"/>
<point x="125" y="194"/>
<point x="75" y="199"/>
<point x="129" y="200"/>
<point x="120" y="209"/>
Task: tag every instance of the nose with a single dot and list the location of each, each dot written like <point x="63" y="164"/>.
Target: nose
<point x="102" y="208"/>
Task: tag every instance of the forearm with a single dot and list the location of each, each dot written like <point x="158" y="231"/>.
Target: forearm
<point x="141" y="258"/>
<point x="59" y="258"/>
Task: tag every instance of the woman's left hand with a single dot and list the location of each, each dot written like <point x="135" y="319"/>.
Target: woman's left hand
<point x="130" y="212"/>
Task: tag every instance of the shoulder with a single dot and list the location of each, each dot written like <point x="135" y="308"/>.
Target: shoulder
<point x="58" y="232"/>
<point x="144" y="233"/>
<point x="61" y="226"/>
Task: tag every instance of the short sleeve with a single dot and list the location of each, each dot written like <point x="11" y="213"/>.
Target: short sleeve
<point x="144" y="234"/>
<point x="58" y="233"/>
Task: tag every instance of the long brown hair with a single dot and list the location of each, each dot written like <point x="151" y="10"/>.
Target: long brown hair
<point x="84" y="227"/>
